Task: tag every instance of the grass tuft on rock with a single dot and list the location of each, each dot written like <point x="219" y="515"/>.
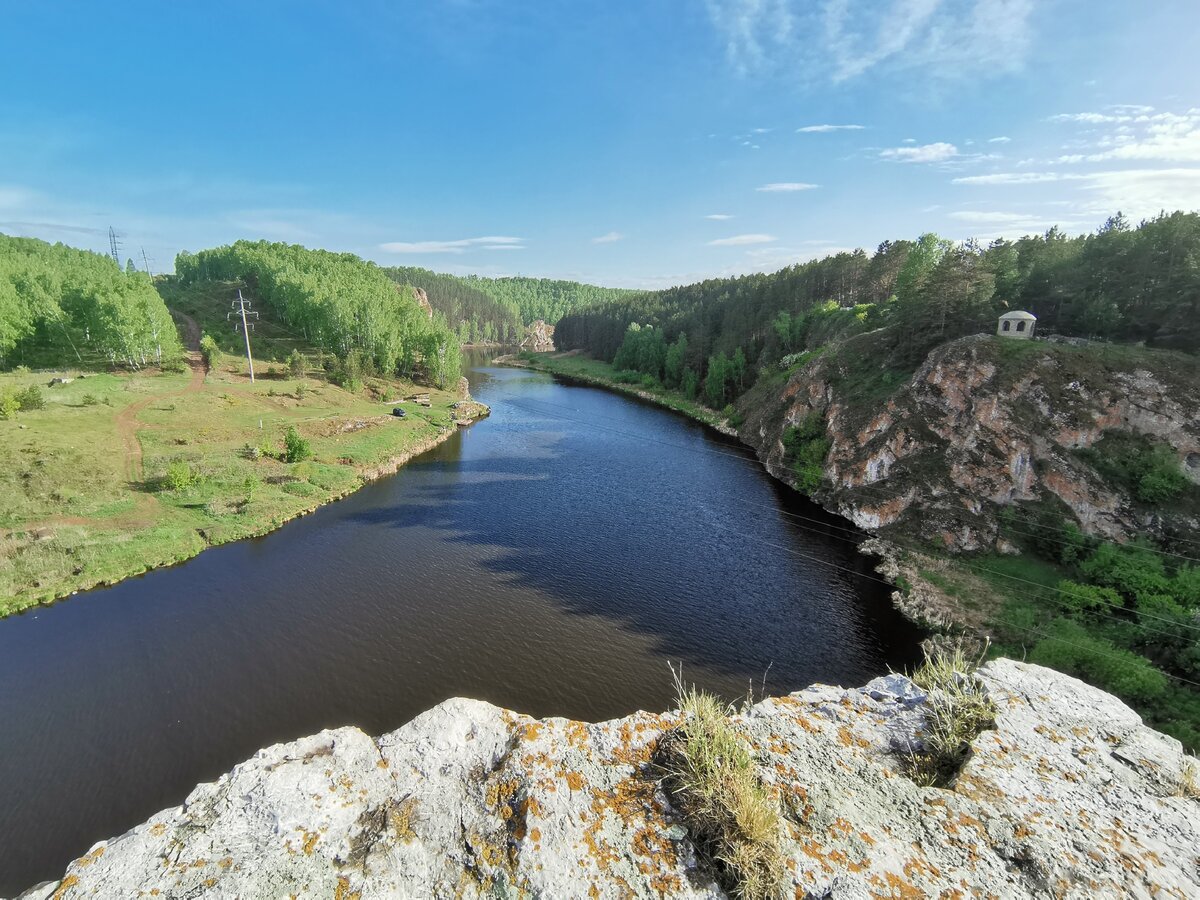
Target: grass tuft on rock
<point x="1189" y="781"/>
<point x="958" y="711"/>
<point x="711" y="777"/>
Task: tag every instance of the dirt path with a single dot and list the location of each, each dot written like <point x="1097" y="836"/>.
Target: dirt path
<point x="126" y="423"/>
<point x="127" y="418"/>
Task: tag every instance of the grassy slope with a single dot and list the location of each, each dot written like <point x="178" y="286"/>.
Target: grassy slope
<point x="77" y="509"/>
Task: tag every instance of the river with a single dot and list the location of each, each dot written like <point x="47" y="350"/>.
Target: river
<point x="552" y="559"/>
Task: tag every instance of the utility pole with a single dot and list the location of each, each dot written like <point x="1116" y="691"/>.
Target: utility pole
<point x="241" y="307"/>
<point x="114" y="247"/>
<point x="146" y="262"/>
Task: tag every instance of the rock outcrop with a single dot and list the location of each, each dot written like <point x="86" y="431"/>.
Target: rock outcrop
<point x="980" y="426"/>
<point x="539" y="337"/>
<point x="1069" y="796"/>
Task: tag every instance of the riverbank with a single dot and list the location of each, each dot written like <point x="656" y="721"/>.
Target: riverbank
<point x="585" y="370"/>
<point x="119" y="474"/>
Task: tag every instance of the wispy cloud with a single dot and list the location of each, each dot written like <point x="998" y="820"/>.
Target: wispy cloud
<point x="742" y="240"/>
<point x="999" y="140"/>
<point x="719" y="217"/>
<point x="926" y="153"/>
<point x="844" y="39"/>
<point x="611" y="238"/>
<point x="1136" y="192"/>
<point x="459" y="246"/>
<point x="821" y="129"/>
<point x="1015" y="178"/>
<point x="786" y="187"/>
<point x="1163" y="137"/>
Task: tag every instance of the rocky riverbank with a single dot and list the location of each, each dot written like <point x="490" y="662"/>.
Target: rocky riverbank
<point x="1069" y="795"/>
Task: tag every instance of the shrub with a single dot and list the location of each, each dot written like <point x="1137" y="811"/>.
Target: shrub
<point x="31" y="398"/>
<point x="267" y="449"/>
<point x="295" y="447"/>
<point x="711" y="776"/>
<point x="209" y="350"/>
<point x="90" y="400"/>
<point x="9" y="404"/>
<point x="301" y="390"/>
<point x="296" y="364"/>
<point x="250" y="485"/>
<point x="805" y="447"/>
<point x="1148" y="470"/>
<point x="181" y="476"/>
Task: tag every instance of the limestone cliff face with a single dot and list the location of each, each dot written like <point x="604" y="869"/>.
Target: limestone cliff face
<point x="539" y="337"/>
<point x="980" y="426"/>
<point x="423" y="301"/>
<point x="1069" y="796"/>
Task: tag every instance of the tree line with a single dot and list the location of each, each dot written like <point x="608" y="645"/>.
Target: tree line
<point x="1120" y="283"/>
<point x="474" y="314"/>
<point x="547" y="299"/>
<point x="64" y="306"/>
<point x="339" y="302"/>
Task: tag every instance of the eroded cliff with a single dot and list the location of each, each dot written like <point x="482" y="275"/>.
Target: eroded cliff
<point x="1070" y="795"/>
<point x="985" y="423"/>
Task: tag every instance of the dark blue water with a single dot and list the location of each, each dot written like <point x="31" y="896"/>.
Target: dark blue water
<point x="550" y="559"/>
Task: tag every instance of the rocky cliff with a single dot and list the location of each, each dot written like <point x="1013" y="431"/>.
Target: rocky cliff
<point x="539" y="337"/>
<point x="982" y="424"/>
<point x="1070" y="795"/>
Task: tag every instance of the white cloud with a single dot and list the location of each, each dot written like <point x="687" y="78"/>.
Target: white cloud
<point x="1016" y="178"/>
<point x="1089" y="118"/>
<point x="742" y="240"/>
<point x="821" y="129"/>
<point x="763" y="130"/>
<point x="999" y="140"/>
<point x="939" y="152"/>
<point x="843" y="39"/>
<point x="719" y="217"/>
<point x="611" y="238"/>
<point x="784" y="187"/>
<point x="1141" y="193"/>
<point x="1138" y="193"/>
<point x="1132" y="133"/>
<point x="460" y="246"/>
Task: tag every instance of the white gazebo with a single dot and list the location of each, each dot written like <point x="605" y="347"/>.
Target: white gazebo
<point x="1017" y="324"/>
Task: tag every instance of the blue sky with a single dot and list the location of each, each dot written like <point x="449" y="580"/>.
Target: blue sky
<point x="635" y="144"/>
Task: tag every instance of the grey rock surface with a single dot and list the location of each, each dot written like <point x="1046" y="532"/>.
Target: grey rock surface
<point x="1069" y="796"/>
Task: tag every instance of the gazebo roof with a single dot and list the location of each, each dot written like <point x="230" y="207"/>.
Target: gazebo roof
<point x="1020" y="314"/>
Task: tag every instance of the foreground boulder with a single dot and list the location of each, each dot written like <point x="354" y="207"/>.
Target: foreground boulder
<point x="1070" y="795"/>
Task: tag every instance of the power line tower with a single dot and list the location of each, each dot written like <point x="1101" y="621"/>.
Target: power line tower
<point x="114" y="246"/>
<point x="241" y="308"/>
<point x="146" y="262"/>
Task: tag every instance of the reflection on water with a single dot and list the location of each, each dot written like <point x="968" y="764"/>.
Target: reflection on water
<point x="551" y="559"/>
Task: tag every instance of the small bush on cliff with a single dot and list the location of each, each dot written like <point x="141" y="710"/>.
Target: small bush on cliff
<point x="1146" y="469"/>
<point x="805" y="447"/>
<point x="710" y="774"/>
<point x="958" y="711"/>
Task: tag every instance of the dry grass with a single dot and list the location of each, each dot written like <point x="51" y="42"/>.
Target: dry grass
<point x="711" y="776"/>
<point x="958" y="711"/>
<point x="1189" y="778"/>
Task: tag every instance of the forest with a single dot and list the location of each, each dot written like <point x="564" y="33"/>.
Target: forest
<point x="474" y="315"/>
<point x="547" y="299"/>
<point x="1121" y="283"/>
<point x="63" y="306"/>
<point x="340" y="303"/>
